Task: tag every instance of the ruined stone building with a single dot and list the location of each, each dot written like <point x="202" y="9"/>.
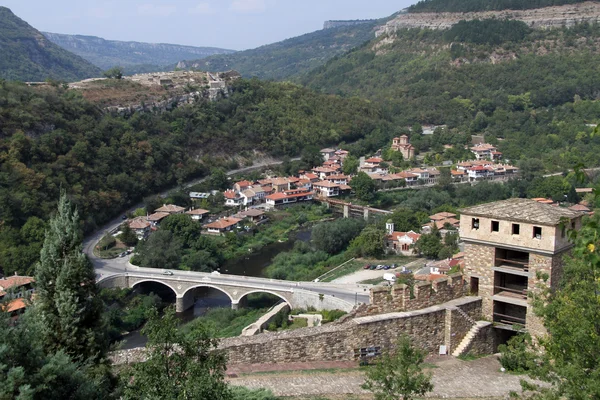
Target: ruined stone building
<point x="511" y="247"/>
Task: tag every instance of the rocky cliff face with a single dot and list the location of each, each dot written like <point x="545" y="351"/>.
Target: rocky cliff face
<point x="540" y="18"/>
<point x="337" y="24"/>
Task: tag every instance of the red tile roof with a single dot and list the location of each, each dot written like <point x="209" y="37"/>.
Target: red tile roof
<point x="289" y="194"/>
<point x="139" y="223"/>
<point x="14" y="281"/>
<point x="374" y="160"/>
<point x="442" y="215"/>
<point x="230" y="194"/>
<point x="170" y="208"/>
<point x="197" y="211"/>
<point x="326" y="184"/>
<point x="412" y="235"/>
<point x="223" y="223"/>
<point x="156" y="217"/>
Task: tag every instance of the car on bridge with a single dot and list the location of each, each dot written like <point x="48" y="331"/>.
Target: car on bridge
<point x="167" y="273"/>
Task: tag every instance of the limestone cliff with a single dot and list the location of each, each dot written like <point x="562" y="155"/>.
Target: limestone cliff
<point x="337" y="24"/>
<point x="539" y="18"/>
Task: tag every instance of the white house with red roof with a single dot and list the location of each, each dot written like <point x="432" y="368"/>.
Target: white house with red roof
<point x="289" y="197"/>
<point x="222" y="226"/>
<point x="233" y="198"/>
<point x="400" y="242"/>
<point x="326" y="189"/>
<point x="486" y="151"/>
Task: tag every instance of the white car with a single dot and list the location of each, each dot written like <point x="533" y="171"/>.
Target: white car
<point x="167" y="273"/>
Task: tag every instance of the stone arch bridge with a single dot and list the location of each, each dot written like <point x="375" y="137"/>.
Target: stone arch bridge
<point x="321" y="296"/>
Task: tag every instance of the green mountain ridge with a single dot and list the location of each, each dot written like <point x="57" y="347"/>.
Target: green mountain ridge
<point x="291" y="57"/>
<point x="497" y="78"/>
<point x="28" y="56"/>
<point x="133" y="56"/>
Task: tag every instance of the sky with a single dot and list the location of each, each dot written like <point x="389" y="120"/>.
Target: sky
<point x="230" y="24"/>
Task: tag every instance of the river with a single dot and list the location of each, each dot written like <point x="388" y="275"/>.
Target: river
<point x="252" y="265"/>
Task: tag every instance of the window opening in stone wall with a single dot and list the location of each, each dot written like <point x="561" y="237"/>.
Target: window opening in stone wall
<point x="495" y="226"/>
<point x="475" y="223"/>
<point x="537" y="232"/>
<point x="516" y="229"/>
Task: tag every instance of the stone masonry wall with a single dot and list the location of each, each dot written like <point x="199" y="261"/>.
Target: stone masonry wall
<point x="479" y="260"/>
<point x="386" y="299"/>
<point x="483" y="343"/>
<point x="458" y="325"/>
<point x="342" y="342"/>
<point x="541" y="267"/>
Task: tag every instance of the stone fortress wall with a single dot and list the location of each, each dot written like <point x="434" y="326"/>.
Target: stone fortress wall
<point x="436" y="314"/>
<point x="541" y="18"/>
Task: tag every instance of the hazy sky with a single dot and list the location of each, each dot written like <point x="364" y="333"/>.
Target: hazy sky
<point x="233" y="24"/>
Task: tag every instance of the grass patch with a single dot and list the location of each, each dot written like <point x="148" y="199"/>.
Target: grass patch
<point x="226" y="322"/>
<point x="298" y="323"/>
<point x="376" y="281"/>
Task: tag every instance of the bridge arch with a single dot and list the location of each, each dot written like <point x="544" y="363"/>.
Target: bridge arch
<point x="243" y="296"/>
<point x="157" y="282"/>
<point x="220" y="289"/>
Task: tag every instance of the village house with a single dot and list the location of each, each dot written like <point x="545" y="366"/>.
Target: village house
<point x="197" y="214"/>
<point x="140" y="226"/>
<point x="373" y="164"/>
<point x="253" y="215"/>
<point x="289" y="197"/>
<point x="280" y="184"/>
<point x="324" y="172"/>
<point x="401" y="144"/>
<point x="156" y="218"/>
<point x="222" y="226"/>
<point x="13" y="292"/>
<point x="486" y="151"/>
<point x="242" y="185"/>
<point x="305" y="184"/>
<point x="170" y="209"/>
<point x="327" y="153"/>
<point x="199" y="195"/>
<point x="441" y="219"/>
<point x="312" y="177"/>
<point x="400" y="242"/>
<point x="232" y="198"/>
<point x="326" y="189"/>
<point x="339" y="179"/>
<point x="342" y="154"/>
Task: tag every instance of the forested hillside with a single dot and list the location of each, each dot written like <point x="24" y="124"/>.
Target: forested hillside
<point x="531" y="91"/>
<point x="26" y="55"/>
<point x="485" y="5"/>
<point x="133" y="56"/>
<point x="290" y="57"/>
<point x="52" y="138"/>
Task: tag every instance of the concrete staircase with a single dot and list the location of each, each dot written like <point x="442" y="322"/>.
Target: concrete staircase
<point x="464" y="344"/>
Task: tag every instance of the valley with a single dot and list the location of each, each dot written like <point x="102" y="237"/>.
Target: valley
<point x="394" y="197"/>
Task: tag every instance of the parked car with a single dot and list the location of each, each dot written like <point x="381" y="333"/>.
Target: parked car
<point x="167" y="273"/>
<point x="380" y="266"/>
<point x="373" y="266"/>
<point x="386" y="267"/>
<point x="394" y="266"/>
<point x="123" y="254"/>
<point x="367" y="266"/>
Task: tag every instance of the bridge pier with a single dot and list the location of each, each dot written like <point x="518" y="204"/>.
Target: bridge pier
<point x="366" y="214"/>
<point x="346" y="211"/>
<point x="235" y="305"/>
<point x="182" y="303"/>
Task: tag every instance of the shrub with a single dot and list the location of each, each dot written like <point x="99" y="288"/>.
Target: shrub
<point x="517" y="354"/>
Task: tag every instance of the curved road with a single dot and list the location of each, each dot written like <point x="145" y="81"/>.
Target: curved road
<point x="106" y="267"/>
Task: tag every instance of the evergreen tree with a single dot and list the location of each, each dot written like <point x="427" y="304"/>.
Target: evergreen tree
<point x="67" y="305"/>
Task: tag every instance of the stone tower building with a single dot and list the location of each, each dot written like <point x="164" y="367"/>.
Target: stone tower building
<point x="510" y="247"/>
<point x="401" y="144"/>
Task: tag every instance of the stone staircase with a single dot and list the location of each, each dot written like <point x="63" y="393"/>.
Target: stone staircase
<point x="464" y="344"/>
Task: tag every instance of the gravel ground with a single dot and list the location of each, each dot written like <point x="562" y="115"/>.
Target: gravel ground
<point x="366" y="274"/>
<point x="452" y="378"/>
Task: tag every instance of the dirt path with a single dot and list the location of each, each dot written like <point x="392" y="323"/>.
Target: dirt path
<point x="452" y="378"/>
<point x="367" y="274"/>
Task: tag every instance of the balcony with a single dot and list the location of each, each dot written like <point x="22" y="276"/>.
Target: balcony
<point x="509" y="316"/>
<point x="510" y="288"/>
<point x="513" y="263"/>
<point x="518" y="294"/>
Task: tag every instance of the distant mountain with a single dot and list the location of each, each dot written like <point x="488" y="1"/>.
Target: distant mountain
<point x="27" y="55"/>
<point x="133" y="56"/>
<point x="291" y="57"/>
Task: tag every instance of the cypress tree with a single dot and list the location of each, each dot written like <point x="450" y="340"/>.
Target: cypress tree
<point x="69" y="310"/>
